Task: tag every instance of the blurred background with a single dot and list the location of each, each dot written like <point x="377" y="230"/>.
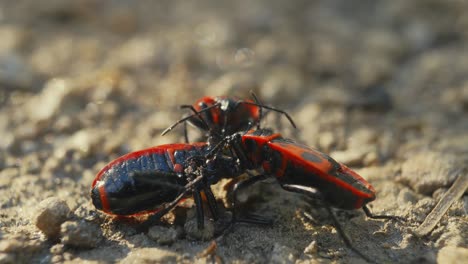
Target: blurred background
<point x="380" y="85"/>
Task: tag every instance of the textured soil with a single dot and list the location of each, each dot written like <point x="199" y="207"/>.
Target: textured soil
<point x="381" y="86"/>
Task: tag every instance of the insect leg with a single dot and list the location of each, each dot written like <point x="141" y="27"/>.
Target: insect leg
<point x="373" y="216"/>
<point x="211" y="201"/>
<point x="345" y="238"/>
<point x="251" y="218"/>
<point x="198" y="114"/>
<point x="260" y="110"/>
<point x="168" y="207"/>
<point x="317" y="195"/>
<point x="199" y="206"/>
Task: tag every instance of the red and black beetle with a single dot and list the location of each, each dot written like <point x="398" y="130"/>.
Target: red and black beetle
<point x="299" y="168"/>
<point x="156" y="179"/>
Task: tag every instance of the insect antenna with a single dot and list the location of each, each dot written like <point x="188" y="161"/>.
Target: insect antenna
<point x="196" y="113"/>
<point x="260" y="105"/>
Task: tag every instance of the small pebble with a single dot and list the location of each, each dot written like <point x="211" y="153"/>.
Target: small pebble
<point x="140" y="241"/>
<point x="311" y="249"/>
<point x="50" y="214"/>
<point x="371" y="158"/>
<point x="51" y="99"/>
<point x="453" y="234"/>
<point x="57" y="259"/>
<point x="282" y="254"/>
<point x="429" y="171"/>
<point x="57" y="249"/>
<point x="7" y="258"/>
<point x="350" y="157"/>
<point x="163" y="235"/>
<point x="427" y="257"/>
<point x="20" y="245"/>
<point x="192" y="231"/>
<point x="16" y="73"/>
<point x="327" y="140"/>
<point x="406" y="196"/>
<point x="452" y="254"/>
<point x="150" y="255"/>
<point x="80" y="234"/>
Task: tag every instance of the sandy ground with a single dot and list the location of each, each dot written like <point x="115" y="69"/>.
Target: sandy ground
<point x="379" y="85"/>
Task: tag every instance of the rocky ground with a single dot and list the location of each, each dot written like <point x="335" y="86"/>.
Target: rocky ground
<point x="379" y="85"/>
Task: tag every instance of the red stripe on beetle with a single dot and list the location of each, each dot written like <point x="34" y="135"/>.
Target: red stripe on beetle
<point x="178" y="168"/>
<point x="104" y="200"/>
<point x="170" y="154"/>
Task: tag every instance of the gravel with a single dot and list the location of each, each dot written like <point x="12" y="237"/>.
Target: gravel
<point x="80" y="234"/>
<point x="163" y="235"/>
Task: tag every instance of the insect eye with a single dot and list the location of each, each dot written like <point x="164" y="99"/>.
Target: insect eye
<point x="202" y="105"/>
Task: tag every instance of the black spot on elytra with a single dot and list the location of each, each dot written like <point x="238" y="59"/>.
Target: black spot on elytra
<point x="311" y="157"/>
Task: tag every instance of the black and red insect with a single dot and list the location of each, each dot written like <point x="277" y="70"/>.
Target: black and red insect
<point x="156" y="179"/>
<point x="299" y="168"/>
<point x="219" y="116"/>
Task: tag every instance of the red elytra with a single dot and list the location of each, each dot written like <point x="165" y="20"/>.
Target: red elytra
<point x="295" y="164"/>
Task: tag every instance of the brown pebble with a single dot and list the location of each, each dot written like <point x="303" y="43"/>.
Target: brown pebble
<point x="429" y="171"/>
<point x="57" y="249"/>
<point x="192" y="231"/>
<point x="50" y="214"/>
<point x="7" y="258"/>
<point x="283" y="254"/>
<point x="311" y="249"/>
<point x="20" y="245"/>
<point x="150" y="255"/>
<point x="452" y="254"/>
<point x="80" y="234"/>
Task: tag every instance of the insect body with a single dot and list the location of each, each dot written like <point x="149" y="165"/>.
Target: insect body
<point x="295" y="164"/>
<point x="157" y="178"/>
<point x="221" y="115"/>
<point x="299" y="168"/>
<point x="225" y="115"/>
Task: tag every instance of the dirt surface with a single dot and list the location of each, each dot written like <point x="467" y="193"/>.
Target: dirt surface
<point x="379" y="85"/>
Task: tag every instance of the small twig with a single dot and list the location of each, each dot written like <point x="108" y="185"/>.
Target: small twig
<point x="209" y="251"/>
<point x="454" y="193"/>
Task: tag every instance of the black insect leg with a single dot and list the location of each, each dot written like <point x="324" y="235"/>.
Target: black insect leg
<point x="260" y="110"/>
<point x="345" y="238"/>
<point x="163" y="211"/>
<point x="186" y="133"/>
<point x="211" y="201"/>
<point x="313" y="193"/>
<point x="373" y="216"/>
<point x="185" y="123"/>
<point x="251" y="218"/>
<point x="168" y="207"/>
<point x="198" y="114"/>
<point x="276" y="110"/>
<point x="199" y="207"/>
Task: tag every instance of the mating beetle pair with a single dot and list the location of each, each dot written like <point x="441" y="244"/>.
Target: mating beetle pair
<point x="156" y="179"/>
